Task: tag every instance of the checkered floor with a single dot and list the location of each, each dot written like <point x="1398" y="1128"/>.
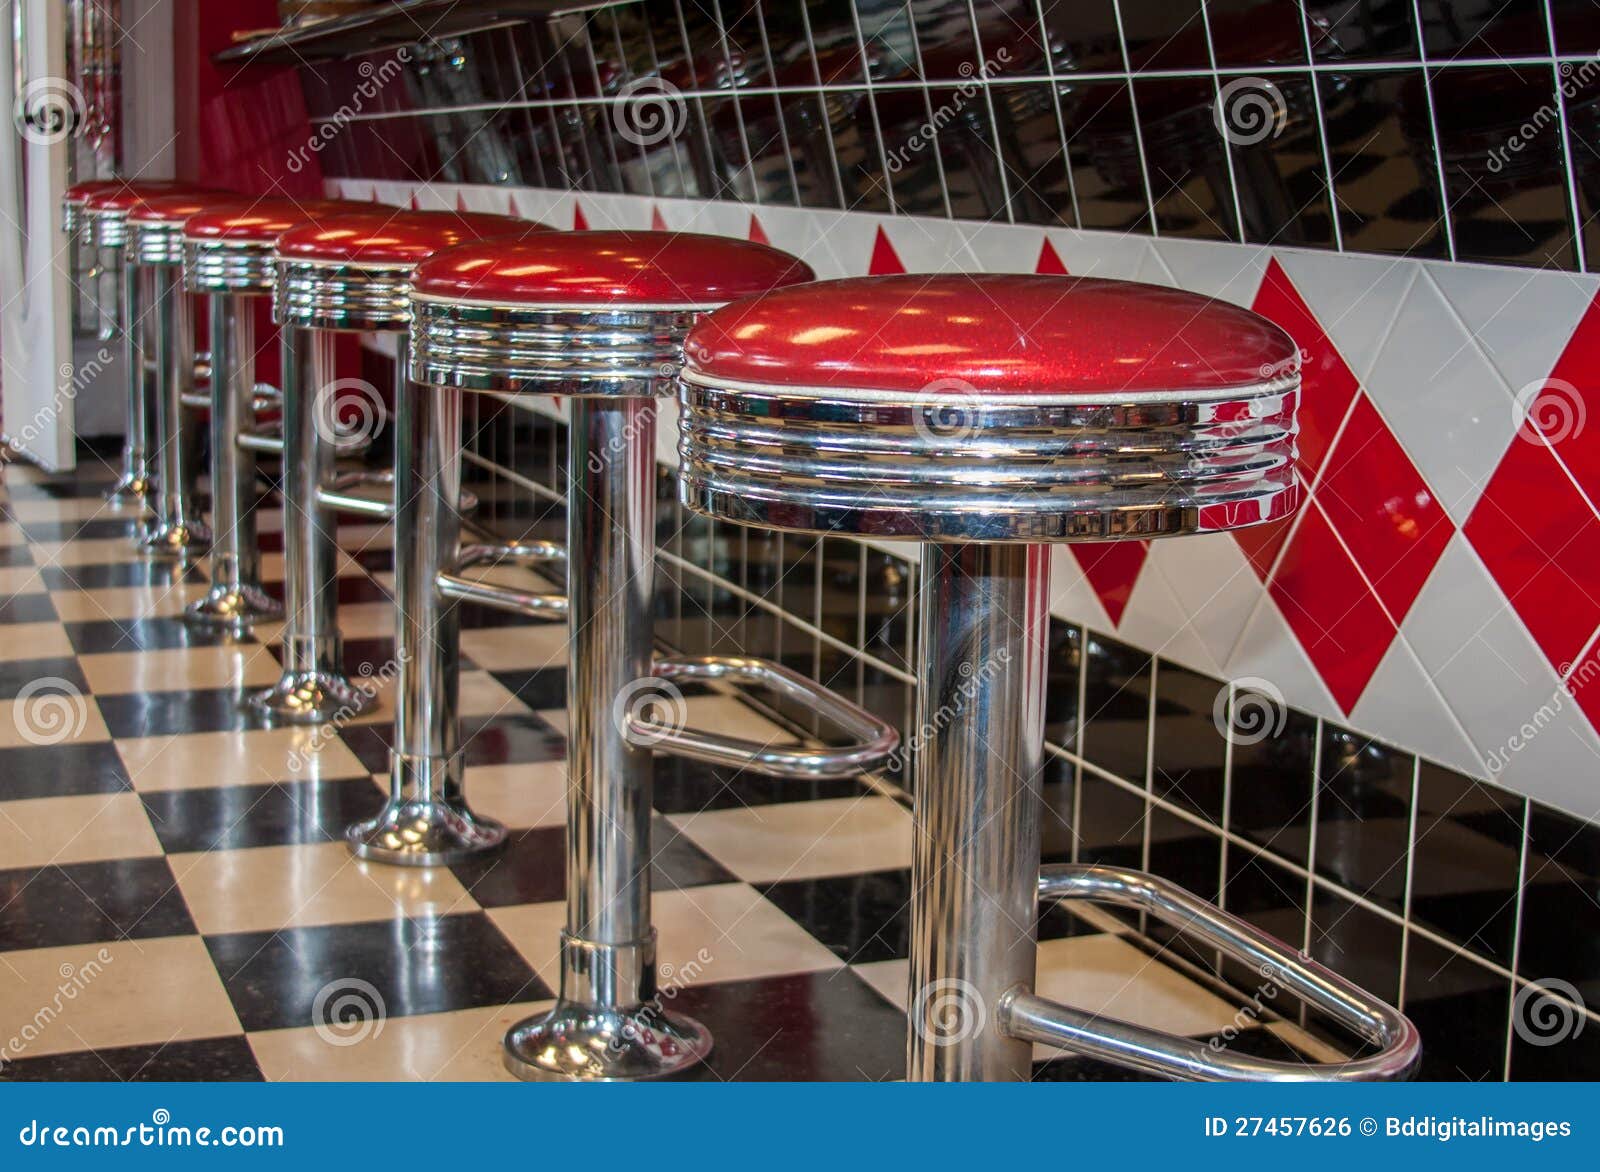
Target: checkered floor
<point x="176" y="903"/>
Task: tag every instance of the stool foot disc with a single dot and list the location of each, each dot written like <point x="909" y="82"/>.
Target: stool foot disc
<point x="424" y="834"/>
<point x="313" y="697"/>
<point x="128" y="491"/>
<point x="233" y="608"/>
<point x="176" y="541"/>
<point x="586" y="1043"/>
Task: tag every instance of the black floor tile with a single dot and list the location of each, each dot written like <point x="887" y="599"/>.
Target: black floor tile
<point x="95" y="577"/>
<point x="285" y="814"/>
<point x="15" y="555"/>
<point x="866" y="918"/>
<point x="541" y="688"/>
<point x="208" y="1060"/>
<point x="81" y="903"/>
<point x="28" y="608"/>
<point x="156" y="714"/>
<point x="41" y="678"/>
<point x="688" y="787"/>
<point x="92" y="529"/>
<point x="370" y="744"/>
<point x="811" y="1027"/>
<point x="50" y="771"/>
<point x="352" y="590"/>
<point x="159" y="634"/>
<point x="424" y="965"/>
<point x="532" y="868"/>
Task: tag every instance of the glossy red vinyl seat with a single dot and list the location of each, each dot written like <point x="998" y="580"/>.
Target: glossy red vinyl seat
<point x="992" y="408"/>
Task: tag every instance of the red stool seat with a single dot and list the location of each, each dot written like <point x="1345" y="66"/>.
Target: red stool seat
<point x="231" y="249"/>
<point x="623" y="270"/>
<point x="990" y="408"/>
<point x="578" y="313"/>
<point x="108" y="210"/>
<point x="353" y="271"/>
<point x="994" y="335"/>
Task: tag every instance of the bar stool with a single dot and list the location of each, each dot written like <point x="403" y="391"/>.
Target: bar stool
<point x="986" y="416"/>
<point x="155" y="243"/>
<point x="599" y="317"/>
<point x="347" y="272"/>
<point x="228" y="255"/>
<point x="99" y="209"/>
<point x="83" y="268"/>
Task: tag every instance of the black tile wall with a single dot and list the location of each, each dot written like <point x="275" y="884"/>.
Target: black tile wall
<point x="1471" y="137"/>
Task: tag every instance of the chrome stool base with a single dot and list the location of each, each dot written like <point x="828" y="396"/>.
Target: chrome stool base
<point x="426" y="823"/>
<point x="577" y="1043"/>
<point x="312" y="697"/>
<point x="233" y="608"/>
<point x="178" y="541"/>
<point x="131" y="488"/>
<point x="609" y="1025"/>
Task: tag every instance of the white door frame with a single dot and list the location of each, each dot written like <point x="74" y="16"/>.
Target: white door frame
<point x="37" y="376"/>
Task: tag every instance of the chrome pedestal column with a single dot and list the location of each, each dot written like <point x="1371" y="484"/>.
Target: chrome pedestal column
<point x="426" y="821"/>
<point x="313" y="688"/>
<point x="975" y="864"/>
<point x="134" y="483"/>
<point x="236" y="599"/>
<point x="608" y="1022"/>
<point x="178" y="529"/>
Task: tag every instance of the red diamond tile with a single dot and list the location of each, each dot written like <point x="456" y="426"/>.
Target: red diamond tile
<point x="1327" y="385"/>
<point x="1583" y="685"/>
<point x="1112" y="568"/>
<point x="757" y="233"/>
<point x="1331" y="609"/>
<point x="885" y="260"/>
<point x="1541" y="543"/>
<point x="461" y="203"/>
<point x="1566" y="411"/>
<point x="579" y="222"/>
<point x="1050" y="261"/>
<point x="1377" y="501"/>
<point x="657" y="224"/>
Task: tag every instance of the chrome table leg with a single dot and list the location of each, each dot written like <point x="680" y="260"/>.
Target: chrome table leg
<point x="134" y="482"/>
<point x="608" y="1023"/>
<point x="236" y="600"/>
<point x="426" y="821"/>
<point x="179" y="528"/>
<point x="975" y="861"/>
<point x="313" y="688"/>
